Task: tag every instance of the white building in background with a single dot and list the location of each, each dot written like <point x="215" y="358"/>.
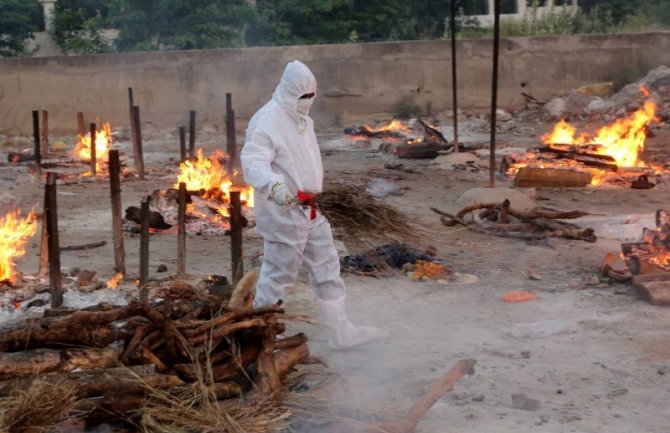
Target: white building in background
<point x="517" y="9"/>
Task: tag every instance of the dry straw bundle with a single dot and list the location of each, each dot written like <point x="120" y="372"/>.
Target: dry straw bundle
<point x="40" y="408"/>
<point x="362" y="220"/>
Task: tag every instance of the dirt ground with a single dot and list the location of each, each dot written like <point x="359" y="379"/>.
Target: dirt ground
<point x="602" y="363"/>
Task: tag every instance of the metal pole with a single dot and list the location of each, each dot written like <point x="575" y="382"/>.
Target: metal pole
<point x="51" y="216"/>
<point x="144" y="251"/>
<point x="452" y="25"/>
<point x="236" y="236"/>
<point x="137" y="143"/>
<point x="191" y="134"/>
<point x="181" y="225"/>
<point x="494" y="93"/>
<point x="117" y="221"/>
<point x="94" y="153"/>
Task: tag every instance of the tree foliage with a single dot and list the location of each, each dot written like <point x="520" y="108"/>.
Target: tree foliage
<point x="78" y="26"/>
<point x="17" y="26"/>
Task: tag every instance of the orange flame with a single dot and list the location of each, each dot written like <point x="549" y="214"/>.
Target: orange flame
<point x="114" y="282"/>
<point x="14" y="234"/>
<point x="103" y="142"/>
<point x="209" y="175"/>
<point x="623" y="140"/>
<point x="393" y="125"/>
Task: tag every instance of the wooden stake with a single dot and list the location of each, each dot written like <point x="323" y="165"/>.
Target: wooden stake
<point x="117" y="222"/>
<point x="144" y="251"/>
<point x="51" y="216"/>
<point x="454" y="88"/>
<point x="191" y="134"/>
<point x="137" y="142"/>
<point x="131" y="104"/>
<point x="44" y="248"/>
<point x="45" y="134"/>
<point x="231" y="146"/>
<point x="236" y="236"/>
<point x="36" y="136"/>
<point x="181" y="226"/>
<point x="182" y="143"/>
<point x="94" y="156"/>
<point x="80" y="124"/>
<point x="494" y="93"/>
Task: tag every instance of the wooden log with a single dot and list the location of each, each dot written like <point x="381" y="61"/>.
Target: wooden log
<point x="231" y="316"/>
<point x="223" y="331"/>
<point x="89" y="328"/>
<point x="288" y="358"/>
<point x="267" y="380"/>
<point x="87" y="246"/>
<point x="433" y="135"/>
<point x="40" y="361"/>
<point x="244" y="292"/>
<point x="551" y="177"/>
<point x="290" y="342"/>
<point x="420" y="151"/>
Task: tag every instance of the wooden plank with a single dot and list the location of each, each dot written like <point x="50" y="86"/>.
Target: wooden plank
<point x="547" y="177"/>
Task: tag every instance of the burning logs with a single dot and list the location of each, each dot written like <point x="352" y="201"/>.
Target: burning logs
<point x="503" y="220"/>
<point x="123" y="354"/>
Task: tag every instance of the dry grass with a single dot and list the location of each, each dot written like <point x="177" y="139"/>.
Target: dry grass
<point x="39" y="409"/>
<point x="361" y="220"/>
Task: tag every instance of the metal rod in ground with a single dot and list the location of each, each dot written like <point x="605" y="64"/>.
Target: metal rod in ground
<point x="36" y="136"/>
<point x="191" y="134"/>
<point x="94" y="153"/>
<point x="182" y="143"/>
<point x="454" y="87"/>
<point x="51" y="216"/>
<point x="131" y="104"/>
<point x="44" y="247"/>
<point x="236" y="236"/>
<point x="137" y="142"/>
<point x="44" y="139"/>
<point x="181" y="226"/>
<point x="144" y="250"/>
<point x="80" y="124"/>
<point x="117" y="221"/>
<point x="494" y="94"/>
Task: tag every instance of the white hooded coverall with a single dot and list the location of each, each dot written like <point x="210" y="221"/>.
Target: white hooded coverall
<point x="281" y="146"/>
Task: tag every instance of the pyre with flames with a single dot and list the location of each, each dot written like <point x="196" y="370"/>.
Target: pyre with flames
<point x="15" y="231"/>
<point x="103" y="142"/>
<point x="611" y="152"/>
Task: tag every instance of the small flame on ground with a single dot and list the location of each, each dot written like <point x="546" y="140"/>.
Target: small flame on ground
<point x="114" y="282"/>
<point x="103" y="142"/>
<point x="14" y="234"/>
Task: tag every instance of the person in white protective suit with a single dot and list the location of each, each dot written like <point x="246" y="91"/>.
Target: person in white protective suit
<point x="282" y="162"/>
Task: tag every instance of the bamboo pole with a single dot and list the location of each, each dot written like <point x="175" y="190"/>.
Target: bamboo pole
<point x="144" y="251"/>
<point x="51" y="216"/>
<point x="236" y="236"/>
<point x="94" y="153"/>
<point x="117" y="222"/>
<point x="181" y="226"/>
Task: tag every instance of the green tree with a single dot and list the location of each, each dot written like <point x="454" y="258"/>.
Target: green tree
<point x="78" y="26"/>
<point x="17" y="26"/>
<point x="179" y="24"/>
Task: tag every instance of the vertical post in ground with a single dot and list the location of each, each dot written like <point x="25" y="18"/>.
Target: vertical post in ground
<point x="144" y="251"/>
<point x="36" y="137"/>
<point x="454" y="91"/>
<point x="94" y="152"/>
<point x="137" y="142"/>
<point x="51" y="216"/>
<point x="44" y="139"/>
<point x="181" y="225"/>
<point x="191" y="134"/>
<point x="81" y="129"/>
<point x="236" y="237"/>
<point x="182" y="144"/>
<point x="494" y="94"/>
<point x="117" y="221"/>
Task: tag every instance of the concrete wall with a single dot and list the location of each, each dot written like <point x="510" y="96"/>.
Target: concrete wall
<point x="356" y="81"/>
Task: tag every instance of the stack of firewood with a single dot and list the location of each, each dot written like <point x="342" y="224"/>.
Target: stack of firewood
<point x="114" y="357"/>
<point x="503" y="220"/>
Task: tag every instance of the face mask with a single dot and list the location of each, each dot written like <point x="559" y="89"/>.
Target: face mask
<point x="304" y="105"/>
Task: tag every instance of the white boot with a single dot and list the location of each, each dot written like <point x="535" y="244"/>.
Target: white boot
<point x="345" y="333"/>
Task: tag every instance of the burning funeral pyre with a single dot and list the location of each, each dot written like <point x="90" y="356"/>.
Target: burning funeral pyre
<point x="568" y="158"/>
<point x="83" y="151"/>
<point x="15" y="231"/>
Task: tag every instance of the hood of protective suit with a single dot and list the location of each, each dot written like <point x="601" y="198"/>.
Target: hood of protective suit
<point x="296" y="81"/>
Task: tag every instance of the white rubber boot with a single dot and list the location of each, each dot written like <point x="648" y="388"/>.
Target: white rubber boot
<point x="345" y="333"/>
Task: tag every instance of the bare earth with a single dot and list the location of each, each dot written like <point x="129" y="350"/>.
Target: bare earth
<point x="609" y="370"/>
